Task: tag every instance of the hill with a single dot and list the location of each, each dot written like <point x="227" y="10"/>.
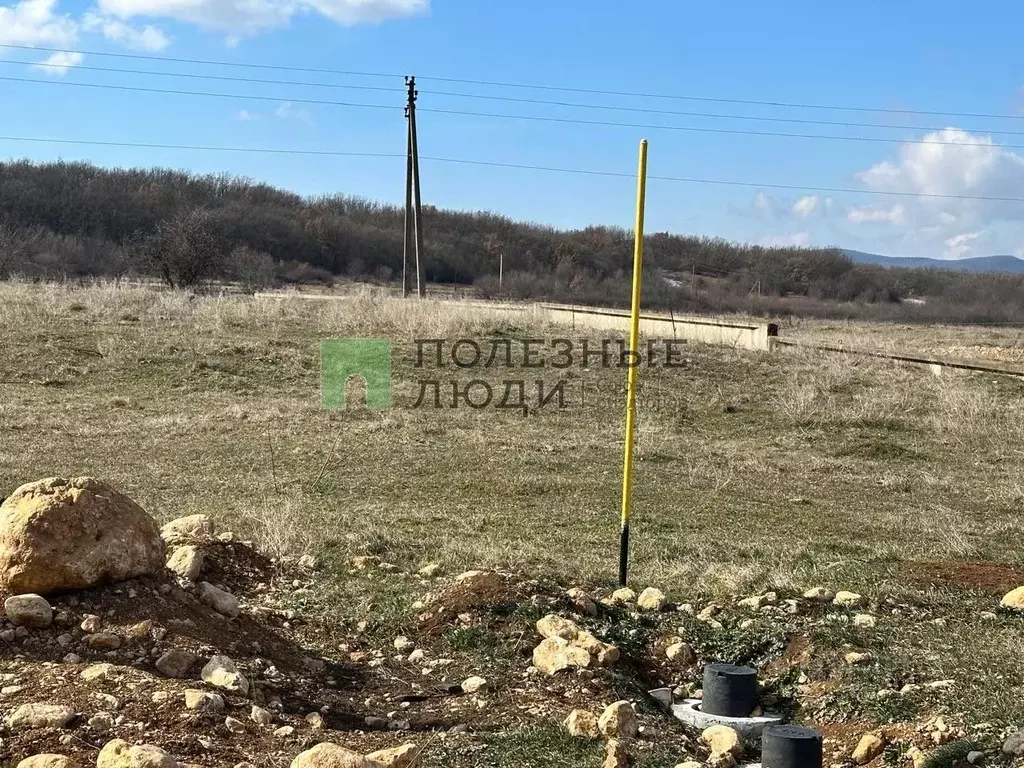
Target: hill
<point x="1007" y="264"/>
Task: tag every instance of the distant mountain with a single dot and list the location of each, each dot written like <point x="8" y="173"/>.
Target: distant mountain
<point x="976" y="264"/>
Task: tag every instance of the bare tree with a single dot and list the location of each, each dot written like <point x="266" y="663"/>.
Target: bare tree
<point x="184" y="250"/>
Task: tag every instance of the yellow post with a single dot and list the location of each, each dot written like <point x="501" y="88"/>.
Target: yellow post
<point x="634" y="363"/>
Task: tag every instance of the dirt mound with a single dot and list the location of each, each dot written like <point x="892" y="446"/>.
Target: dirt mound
<point x="981" y="576"/>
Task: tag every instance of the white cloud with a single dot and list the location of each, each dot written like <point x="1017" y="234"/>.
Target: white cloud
<point x="244" y="18"/>
<point x="59" y="63"/>
<point x="244" y="115"/>
<point x="895" y="214"/>
<point x="287" y="111"/>
<point x="800" y="239"/>
<point x="960" y="245"/>
<point x="805" y="206"/>
<point x="147" y="38"/>
<point x="36" y="22"/>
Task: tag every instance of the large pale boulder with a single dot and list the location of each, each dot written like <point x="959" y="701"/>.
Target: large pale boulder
<point x="47" y="761"/>
<point x="618" y="720"/>
<point x="58" y="534"/>
<point x="120" y="754"/>
<point x="555" y="654"/>
<point x="31" y="716"/>
<point x="328" y="755"/>
<point x="395" y="757"/>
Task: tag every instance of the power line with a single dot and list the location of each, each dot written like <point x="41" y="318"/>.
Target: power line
<point x="533" y="118"/>
<point x="511" y="99"/>
<point x="494" y="164"/>
<point x="204" y="62"/>
<point x="527" y="86"/>
<point x="195" y="76"/>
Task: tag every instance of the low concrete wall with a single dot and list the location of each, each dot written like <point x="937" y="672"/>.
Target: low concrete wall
<point x="754" y="336"/>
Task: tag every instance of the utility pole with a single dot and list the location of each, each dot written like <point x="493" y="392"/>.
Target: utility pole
<point x="413" y="198"/>
<point x="501" y="269"/>
<point x="407" y="249"/>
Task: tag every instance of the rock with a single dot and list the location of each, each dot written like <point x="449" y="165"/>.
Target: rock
<point x="582" y="601"/>
<point x="690" y="764"/>
<point x="651" y="599"/>
<point x="622" y="596"/>
<point x="28" y="611"/>
<point x="474" y="685"/>
<point x="557" y="626"/>
<point x="864" y="621"/>
<point x="975" y="757"/>
<point x="848" y="600"/>
<point x="916" y="756"/>
<point x="315" y="721"/>
<point x="855" y="657"/>
<point x="752" y="603"/>
<point x="430" y="571"/>
<point x="101" y="722"/>
<point x="618" y="720"/>
<point x="186" y="561"/>
<point x="307" y="563"/>
<point x="221" y="672"/>
<point x="47" y="761"/>
<point x="819" y="595"/>
<point x="260" y="716"/>
<point x="1014" y="745"/>
<point x="416" y="656"/>
<point x="233" y="725"/>
<point x="395" y="757"/>
<point x="362" y="562"/>
<point x="30" y="716"/>
<point x="868" y="748"/>
<point x="403" y="644"/>
<point x="555" y="654"/>
<point x="582" y="723"/>
<point x="222" y="602"/>
<point x="721" y="760"/>
<point x="615" y="755"/>
<point x="1014" y="599"/>
<point x="103" y="641"/>
<point x="194" y="528"/>
<point x="681" y="652"/>
<point x="176" y="662"/>
<point x="62" y="535"/>
<point x="723" y="740"/>
<point x="328" y="755"/>
<point x="98" y="672"/>
<point x="284" y="731"/>
<point x="91" y="623"/>
<point x="203" y="701"/>
<point x="120" y="754"/>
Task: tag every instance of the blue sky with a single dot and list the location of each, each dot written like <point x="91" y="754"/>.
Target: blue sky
<point x="935" y="56"/>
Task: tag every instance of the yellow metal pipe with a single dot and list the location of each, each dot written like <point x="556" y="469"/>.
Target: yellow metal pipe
<point x="634" y="364"/>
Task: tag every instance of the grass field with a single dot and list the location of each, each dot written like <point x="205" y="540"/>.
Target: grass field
<point x="754" y="471"/>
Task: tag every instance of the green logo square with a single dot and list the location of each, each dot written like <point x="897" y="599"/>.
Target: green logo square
<point x="368" y="359"/>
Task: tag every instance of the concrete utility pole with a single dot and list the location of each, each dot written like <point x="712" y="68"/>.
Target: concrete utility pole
<point x="413" y="198"/>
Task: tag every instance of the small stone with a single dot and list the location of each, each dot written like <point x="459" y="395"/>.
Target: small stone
<point x="98" y="672"/>
<point x="474" y="684"/>
<point x="47" y="761"/>
<point x="362" y="562"/>
<point x="1014" y="599"/>
<point x="395" y="757"/>
<point x="284" y="731"/>
<point x="31" y="716"/>
<point x="721" y="740"/>
<point x="233" y="725"/>
<point x="856" y="657"/>
<point x="193" y="528"/>
<point x="186" y="562"/>
<point x="176" y="663"/>
<point x="690" y="764"/>
<point x="307" y="563"/>
<point x="752" y="603"/>
<point x="1014" y="745"/>
<point x="651" y="599"/>
<point x="618" y="720"/>
<point x="28" y="611"/>
<point x="848" y="600"/>
<point x="328" y="755"/>
<point x="868" y="748"/>
<point x="260" y="716"/>
<point x="555" y="654"/>
<point x="221" y="672"/>
<point x="681" y="652"/>
<point x="91" y="623"/>
<point x="819" y="595"/>
<point x="103" y="641"/>
<point x="430" y="571"/>
<point x="315" y="721"/>
<point x="403" y="644"/>
<point x="864" y="621"/>
<point x="203" y="701"/>
<point x="988" y="616"/>
<point x="222" y="602"/>
<point x="581" y="723"/>
<point x="975" y="757"/>
<point x="416" y="656"/>
<point x="615" y="755"/>
<point x="101" y="722"/>
<point x="622" y="596"/>
<point x="121" y="754"/>
<point x="582" y="601"/>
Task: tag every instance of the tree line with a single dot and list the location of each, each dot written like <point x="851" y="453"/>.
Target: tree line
<point x="75" y="220"/>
